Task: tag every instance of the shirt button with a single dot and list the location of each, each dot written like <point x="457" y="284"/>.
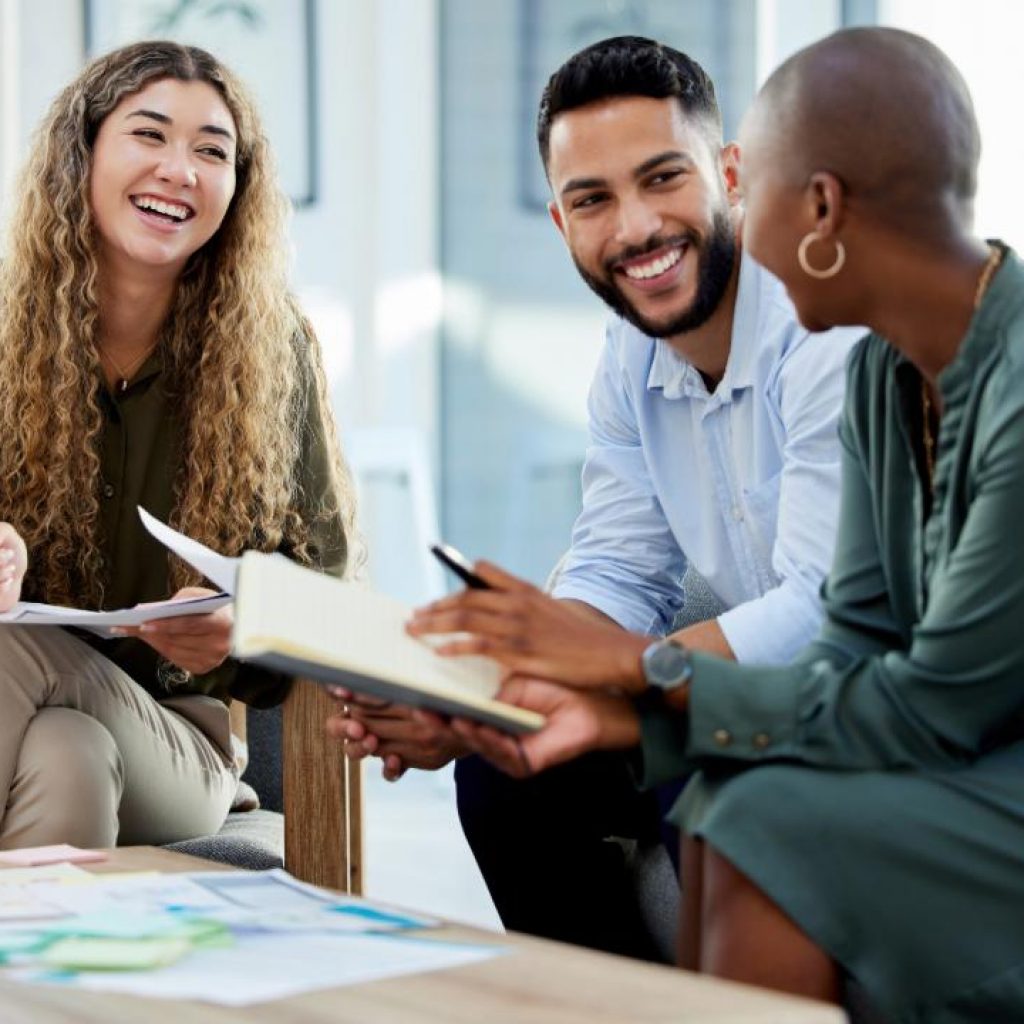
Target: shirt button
<point x="737" y="513"/>
<point x="722" y="737"/>
<point x="108" y="490"/>
<point x="762" y="741"/>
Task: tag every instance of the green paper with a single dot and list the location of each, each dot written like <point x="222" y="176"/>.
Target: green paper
<point x="83" y="954"/>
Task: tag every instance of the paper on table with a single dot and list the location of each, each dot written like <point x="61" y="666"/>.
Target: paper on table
<point x="259" y="968"/>
<point x="275" y="901"/>
<point x="90" y="954"/>
<point x="145" y="893"/>
<point x="60" y="854"/>
<point x="218" y="569"/>
<point x="23" y="897"/>
<point x="43" y="873"/>
<point x="259" y="901"/>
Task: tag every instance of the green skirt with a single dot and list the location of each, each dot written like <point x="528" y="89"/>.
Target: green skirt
<point x="913" y="881"/>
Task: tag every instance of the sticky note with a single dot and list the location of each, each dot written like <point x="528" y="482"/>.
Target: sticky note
<point x="81" y="954"/>
<point x="62" y="853"/>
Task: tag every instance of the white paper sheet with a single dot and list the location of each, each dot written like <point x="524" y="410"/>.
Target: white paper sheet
<point x="220" y="570"/>
<point x="22" y="893"/>
<point x="216" y="568"/>
<point x="27" y="613"/>
<point x="245" y="901"/>
<point x="260" y="968"/>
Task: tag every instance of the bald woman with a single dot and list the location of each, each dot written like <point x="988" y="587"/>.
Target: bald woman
<point x="859" y="813"/>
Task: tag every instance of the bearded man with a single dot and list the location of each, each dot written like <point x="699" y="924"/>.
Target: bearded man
<point x="713" y="447"/>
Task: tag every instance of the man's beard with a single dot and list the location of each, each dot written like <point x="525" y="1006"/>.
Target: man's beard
<point x="716" y="257"/>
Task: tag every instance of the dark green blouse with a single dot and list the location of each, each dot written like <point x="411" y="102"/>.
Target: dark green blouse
<point x="920" y="662"/>
<point x="140" y="451"/>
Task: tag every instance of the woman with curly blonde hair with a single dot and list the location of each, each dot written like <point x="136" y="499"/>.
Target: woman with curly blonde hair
<point x="150" y="354"/>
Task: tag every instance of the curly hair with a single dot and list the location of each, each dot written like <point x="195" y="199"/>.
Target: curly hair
<point x="236" y="351"/>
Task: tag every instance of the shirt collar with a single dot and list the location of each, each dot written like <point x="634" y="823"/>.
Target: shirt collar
<point x="677" y="378"/>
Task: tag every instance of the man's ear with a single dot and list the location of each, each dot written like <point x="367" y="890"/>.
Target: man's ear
<point x="556" y="216"/>
<point x="729" y="165"/>
<point x="826" y="203"/>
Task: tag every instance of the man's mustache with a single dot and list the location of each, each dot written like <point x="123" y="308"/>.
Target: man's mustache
<point x="653" y="244"/>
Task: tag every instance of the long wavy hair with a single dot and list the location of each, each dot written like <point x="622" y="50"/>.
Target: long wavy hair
<point x="238" y="357"/>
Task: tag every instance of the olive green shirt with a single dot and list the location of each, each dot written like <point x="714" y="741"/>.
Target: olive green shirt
<point x="920" y="663"/>
<point x="141" y="449"/>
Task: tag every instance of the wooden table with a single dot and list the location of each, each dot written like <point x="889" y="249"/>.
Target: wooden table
<point x="540" y="981"/>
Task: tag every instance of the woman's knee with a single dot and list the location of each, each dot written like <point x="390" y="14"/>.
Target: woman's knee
<point x="67" y="784"/>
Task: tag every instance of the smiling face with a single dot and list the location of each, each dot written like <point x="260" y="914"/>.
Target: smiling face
<point x="163" y="174"/>
<point x="646" y="207"/>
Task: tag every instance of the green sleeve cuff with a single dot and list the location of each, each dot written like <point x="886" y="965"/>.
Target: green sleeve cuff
<point x="740" y="712"/>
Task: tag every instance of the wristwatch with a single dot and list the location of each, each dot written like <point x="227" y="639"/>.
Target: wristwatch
<point x="666" y="665"/>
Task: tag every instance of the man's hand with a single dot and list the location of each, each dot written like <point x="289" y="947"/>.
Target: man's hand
<point x="577" y="722"/>
<point x="392" y="732"/>
<point x="196" y="643"/>
<point x="534" y="635"/>
<point x="13" y="563"/>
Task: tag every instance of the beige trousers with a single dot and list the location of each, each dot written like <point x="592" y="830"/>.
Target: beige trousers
<point x="88" y="757"/>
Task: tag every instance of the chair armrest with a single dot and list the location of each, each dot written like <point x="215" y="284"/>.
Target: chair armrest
<point x="323" y="832"/>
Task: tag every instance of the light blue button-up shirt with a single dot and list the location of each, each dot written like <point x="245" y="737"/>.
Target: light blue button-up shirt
<point x="743" y="483"/>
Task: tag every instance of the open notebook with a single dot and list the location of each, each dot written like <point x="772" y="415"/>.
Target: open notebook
<point x="307" y="624"/>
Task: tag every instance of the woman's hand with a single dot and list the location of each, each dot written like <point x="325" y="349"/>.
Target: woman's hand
<point x="392" y="732"/>
<point x="196" y="643"/>
<point x="577" y="722"/>
<point x="13" y="563"/>
<point x="535" y="635"/>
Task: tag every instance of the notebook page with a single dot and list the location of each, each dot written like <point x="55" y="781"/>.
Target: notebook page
<point x="297" y="611"/>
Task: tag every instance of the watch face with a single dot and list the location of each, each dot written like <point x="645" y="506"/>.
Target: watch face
<point x="666" y="665"/>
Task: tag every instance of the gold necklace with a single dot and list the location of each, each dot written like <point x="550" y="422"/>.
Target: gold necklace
<point x="929" y="436"/>
<point x="995" y="257"/>
<point x="124" y="376"/>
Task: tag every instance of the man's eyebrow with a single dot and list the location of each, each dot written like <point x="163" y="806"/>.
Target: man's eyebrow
<point x="662" y="158"/>
<point x="581" y="184"/>
<point x="209" y="129"/>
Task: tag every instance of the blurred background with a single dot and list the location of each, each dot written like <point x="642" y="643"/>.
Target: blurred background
<point x="458" y="338"/>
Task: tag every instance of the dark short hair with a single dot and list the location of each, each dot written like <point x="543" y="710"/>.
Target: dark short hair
<point x="628" y="66"/>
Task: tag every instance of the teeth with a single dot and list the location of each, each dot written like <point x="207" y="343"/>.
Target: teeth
<point x="167" y="209"/>
<point x="646" y="270"/>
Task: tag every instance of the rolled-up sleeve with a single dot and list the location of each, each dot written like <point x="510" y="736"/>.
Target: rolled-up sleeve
<point x="624" y="558"/>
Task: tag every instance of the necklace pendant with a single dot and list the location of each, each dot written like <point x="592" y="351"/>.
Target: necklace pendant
<point x="122" y="385"/>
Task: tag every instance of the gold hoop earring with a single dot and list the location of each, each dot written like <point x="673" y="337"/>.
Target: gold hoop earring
<point x="801" y="254"/>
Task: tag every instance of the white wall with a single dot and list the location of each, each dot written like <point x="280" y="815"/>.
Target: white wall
<point x="785" y="26"/>
<point x="983" y="39"/>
